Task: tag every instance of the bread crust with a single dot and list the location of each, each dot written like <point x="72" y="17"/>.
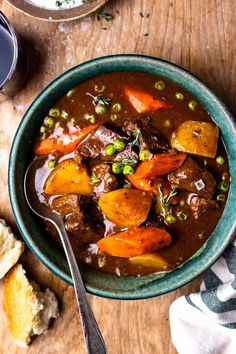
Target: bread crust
<point x="28" y="310"/>
<point x="10" y="249"/>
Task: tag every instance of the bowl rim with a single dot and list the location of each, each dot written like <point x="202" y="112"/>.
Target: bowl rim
<point x="29" y="240"/>
<point x="57" y="15"/>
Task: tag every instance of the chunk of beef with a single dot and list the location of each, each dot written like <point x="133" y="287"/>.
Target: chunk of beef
<point x="75" y="222"/>
<point x="94" y="145"/>
<point x="67" y="204"/>
<point x="127" y="154"/>
<point x="200" y="205"/>
<point x="193" y="178"/>
<point x="107" y="181"/>
<point x="150" y="138"/>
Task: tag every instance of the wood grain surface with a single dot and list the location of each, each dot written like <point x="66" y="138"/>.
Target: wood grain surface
<point x="199" y="35"/>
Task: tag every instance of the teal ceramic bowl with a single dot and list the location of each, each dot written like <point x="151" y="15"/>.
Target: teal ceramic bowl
<point x="30" y="226"/>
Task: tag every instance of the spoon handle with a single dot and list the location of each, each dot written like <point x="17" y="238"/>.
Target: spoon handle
<point x="93" y="337"/>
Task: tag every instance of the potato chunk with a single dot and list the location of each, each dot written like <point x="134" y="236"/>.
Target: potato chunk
<point x="152" y="260"/>
<point x="199" y="138"/>
<point x="126" y="207"/>
<point x="68" y="177"/>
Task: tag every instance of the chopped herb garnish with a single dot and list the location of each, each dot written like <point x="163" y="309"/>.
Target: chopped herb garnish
<point x="131" y="161"/>
<point x="138" y="135"/>
<point x="61" y="2"/>
<point x="99" y="100"/>
<point x="165" y="199"/>
<point x="94" y="178"/>
<point x="105" y="16"/>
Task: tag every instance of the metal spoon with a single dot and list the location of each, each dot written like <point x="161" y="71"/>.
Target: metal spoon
<point x="93" y="337"/>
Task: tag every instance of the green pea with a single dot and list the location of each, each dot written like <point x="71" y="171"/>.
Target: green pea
<point x="119" y="145"/>
<point x="49" y="121"/>
<point x="223" y="186"/>
<point x="182" y="202"/>
<point x="117" y="167"/>
<point x="54" y="112"/>
<point x="179" y="96"/>
<point x="116" y="107"/>
<point x="160" y="85"/>
<point x="110" y="150"/>
<point x="100" y="109"/>
<point x="128" y="170"/>
<point x="127" y="185"/>
<point x="114" y="117"/>
<point x="220" y="198"/>
<point x="182" y="215"/>
<point x="51" y="163"/>
<point x="90" y="117"/>
<point x="192" y="105"/>
<point x="167" y="123"/>
<point x="220" y="160"/>
<point x="170" y="219"/>
<point x="144" y="155"/>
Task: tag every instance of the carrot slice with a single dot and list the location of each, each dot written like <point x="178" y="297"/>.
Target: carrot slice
<point x="65" y="143"/>
<point x="143" y="102"/>
<point x="135" y="242"/>
<point x="151" y="185"/>
<point x="144" y="184"/>
<point x="159" y="165"/>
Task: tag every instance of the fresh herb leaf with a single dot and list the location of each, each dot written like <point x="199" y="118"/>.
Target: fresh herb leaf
<point x="165" y="200"/>
<point x="59" y="3"/>
<point x="94" y="178"/>
<point x="99" y="100"/>
<point x="105" y="16"/>
<point x="131" y="161"/>
<point x="138" y="135"/>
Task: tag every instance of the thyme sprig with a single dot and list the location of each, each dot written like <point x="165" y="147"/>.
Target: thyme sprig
<point x="94" y="178"/>
<point x="131" y="161"/>
<point x="105" y="16"/>
<point x="137" y="136"/>
<point x="165" y="199"/>
<point x="99" y="100"/>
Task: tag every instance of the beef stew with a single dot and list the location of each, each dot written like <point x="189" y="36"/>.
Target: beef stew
<point x="136" y="168"/>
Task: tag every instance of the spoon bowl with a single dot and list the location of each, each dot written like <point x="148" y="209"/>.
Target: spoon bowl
<point x="93" y="337"/>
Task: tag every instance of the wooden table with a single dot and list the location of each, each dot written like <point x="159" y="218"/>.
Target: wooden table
<point x="198" y="35"/>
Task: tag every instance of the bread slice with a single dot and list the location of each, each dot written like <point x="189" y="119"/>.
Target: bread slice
<point x="28" y="310"/>
<point x="10" y="248"/>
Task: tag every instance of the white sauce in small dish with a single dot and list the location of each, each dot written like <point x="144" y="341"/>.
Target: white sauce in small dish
<point x="53" y="4"/>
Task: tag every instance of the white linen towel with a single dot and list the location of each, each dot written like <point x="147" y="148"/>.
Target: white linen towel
<point x="205" y="322"/>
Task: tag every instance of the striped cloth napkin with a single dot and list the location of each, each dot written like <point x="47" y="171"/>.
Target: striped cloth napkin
<point x="205" y="322"/>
